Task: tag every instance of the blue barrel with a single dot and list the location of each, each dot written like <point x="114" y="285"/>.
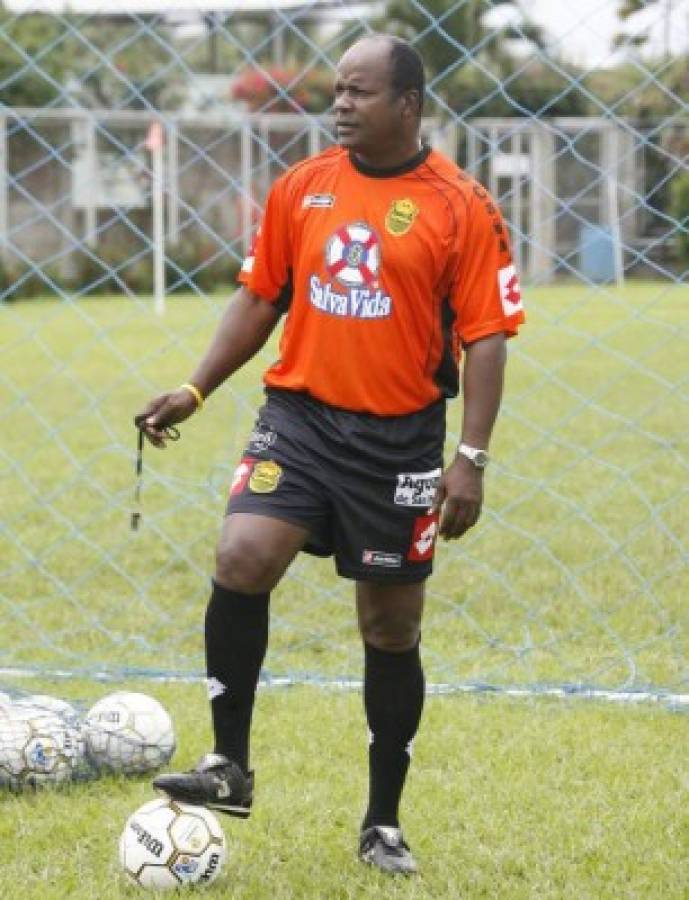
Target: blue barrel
<point x="596" y="254"/>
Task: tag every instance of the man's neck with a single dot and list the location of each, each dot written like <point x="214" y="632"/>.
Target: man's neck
<point x="381" y="166"/>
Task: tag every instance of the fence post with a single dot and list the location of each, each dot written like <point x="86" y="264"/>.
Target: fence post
<point x="173" y="180"/>
<point x="245" y="170"/>
<point x="542" y="252"/>
<point x="4" y="183"/>
<point x="610" y="152"/>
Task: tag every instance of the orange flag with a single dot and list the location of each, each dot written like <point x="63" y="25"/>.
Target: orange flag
<point x="154" y="138"/>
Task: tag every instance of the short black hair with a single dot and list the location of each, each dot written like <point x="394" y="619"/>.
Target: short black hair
<point x="406" y="69"/>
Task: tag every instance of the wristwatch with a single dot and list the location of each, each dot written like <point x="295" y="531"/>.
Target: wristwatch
<point x="478" y="458"/>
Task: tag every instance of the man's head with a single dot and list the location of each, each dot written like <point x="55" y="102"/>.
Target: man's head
<point x="379" y="91"/>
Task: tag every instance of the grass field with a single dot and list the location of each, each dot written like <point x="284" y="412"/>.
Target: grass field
<point x="506" y="798"/>
<point x="577" y="574"/>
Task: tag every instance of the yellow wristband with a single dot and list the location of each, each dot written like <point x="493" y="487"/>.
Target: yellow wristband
<point x="198" y="396"/>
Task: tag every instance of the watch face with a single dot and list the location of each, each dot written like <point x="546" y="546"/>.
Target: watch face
<point x="480" y="459"/>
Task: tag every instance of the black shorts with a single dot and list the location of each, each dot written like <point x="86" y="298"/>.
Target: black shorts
<point x="361" y="484"/>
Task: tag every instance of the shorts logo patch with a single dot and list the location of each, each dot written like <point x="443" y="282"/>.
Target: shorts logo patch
<point x="381" y="558"/>
<point x="265" y="477"/>
<point x="260" y="439"/>
<point x="400" y="216"/>
<point x="416" y="488"/>
<point x="241" y="475"/>
<point x="423" y="538"/>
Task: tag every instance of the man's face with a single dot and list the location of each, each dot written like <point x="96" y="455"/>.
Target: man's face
<point x="368" y="119"/>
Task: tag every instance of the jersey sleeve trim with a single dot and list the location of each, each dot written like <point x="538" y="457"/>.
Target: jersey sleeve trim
<point x="485" y="329"/>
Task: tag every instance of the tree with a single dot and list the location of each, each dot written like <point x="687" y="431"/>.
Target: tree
<point x="444" y="31"/>
<point x="124" y="62"/>
<point x="465" y="56"/>
<point x="34" y="54"/>
<point x="93" y="61"/>
<point x="628" y="10"/>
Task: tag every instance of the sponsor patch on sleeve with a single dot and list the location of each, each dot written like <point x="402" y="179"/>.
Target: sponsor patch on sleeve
<point x="510" y="292"/>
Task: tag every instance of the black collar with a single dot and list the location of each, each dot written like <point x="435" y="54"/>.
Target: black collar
<point x="390" y="172"/>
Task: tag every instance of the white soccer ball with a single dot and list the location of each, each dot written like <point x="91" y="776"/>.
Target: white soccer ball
<point x="5" y="700"/>
<point x="37" y="748"/>
<point x="166" y="845"/>
<point x="128" y="732"/>
<point x="59" y="707"/>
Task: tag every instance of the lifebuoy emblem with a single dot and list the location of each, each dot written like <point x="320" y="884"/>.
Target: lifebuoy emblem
<point x="352" y="255"/>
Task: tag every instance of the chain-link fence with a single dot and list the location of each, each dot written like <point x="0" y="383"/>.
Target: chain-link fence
<point x="136" y="149"/>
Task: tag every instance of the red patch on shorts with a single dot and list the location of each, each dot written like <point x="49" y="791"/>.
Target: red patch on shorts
<point x="423" y="538"/>
<point x="241" y="475"/>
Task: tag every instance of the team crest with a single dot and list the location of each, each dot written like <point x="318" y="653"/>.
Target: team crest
<point x="265" y="477"/>
<point x="400" y="217"/>
<point x="352" y="255"/>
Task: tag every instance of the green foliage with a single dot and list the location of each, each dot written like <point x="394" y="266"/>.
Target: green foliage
<point x="124" y="65"/>
<point x="472" y="67"/>
<point x="92" y="61"/>
<point x="460" y="28"/>
<point x="192" y="264"/>
<point x="203" y="266"/>
<point x="538" y="89"/>
<point x="628" y="90"/>
<point x="629" y="8"/>
<point x="679" y="206"/>
<point x="34" y="55"/>
<point x="21" y="282"/>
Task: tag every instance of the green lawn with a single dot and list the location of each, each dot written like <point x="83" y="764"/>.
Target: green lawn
<point x="506" y="799"/>
<point x="577" y="574"/>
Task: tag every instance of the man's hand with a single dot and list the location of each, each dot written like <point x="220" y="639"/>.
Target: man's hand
<point x="460" y="496"/>
<point x="167" y="409"/>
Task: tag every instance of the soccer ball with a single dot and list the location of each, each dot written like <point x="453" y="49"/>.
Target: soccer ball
<point x="166" y="844"/>
<point x="61" y="708"/>
<point x="37" y="748"/>
<point x="5" y="701"/>
<point x="129" y="733"/>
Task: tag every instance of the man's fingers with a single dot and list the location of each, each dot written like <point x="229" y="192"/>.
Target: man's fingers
<point x="153" y="420"/>
<point x="439" y="499"/>
<point x="163" y="412"/>
<point x="458" y="518"/>
<point x="154" y="435"/>
<point x="448" y="517"/>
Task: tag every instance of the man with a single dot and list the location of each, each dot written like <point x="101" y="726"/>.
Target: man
<point x="388" y="262"/>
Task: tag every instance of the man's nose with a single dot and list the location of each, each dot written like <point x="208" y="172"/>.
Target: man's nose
<point x="343" y="100"/>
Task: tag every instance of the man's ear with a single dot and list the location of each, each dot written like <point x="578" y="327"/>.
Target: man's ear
<point x="410" y="103"/>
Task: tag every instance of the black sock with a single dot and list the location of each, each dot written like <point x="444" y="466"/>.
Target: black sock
<point x="236" y="642"/>
<point x="393" y="698"/>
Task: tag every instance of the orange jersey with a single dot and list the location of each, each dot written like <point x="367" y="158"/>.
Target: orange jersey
<point x="384" y="277"/>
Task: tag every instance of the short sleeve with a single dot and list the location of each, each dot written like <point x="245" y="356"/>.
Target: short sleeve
<point x="486" y="296"/>
<point x="266" y="270"/>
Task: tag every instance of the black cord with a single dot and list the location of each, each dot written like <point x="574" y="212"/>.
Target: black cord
<point x="172" y="434"/>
